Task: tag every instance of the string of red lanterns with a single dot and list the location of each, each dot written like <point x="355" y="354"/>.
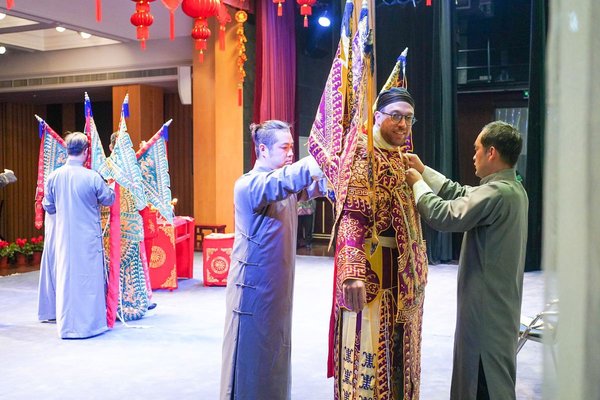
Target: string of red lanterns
<point x="224" y="18"/>
<point x="172" y="6"/>
<point x="142" y="19"/>
<point x="279" y="7"/>
<point x="306" y="9"/>
<point x="200" y="10"/>
<point x="98" y="10"/>
<point x="241" y="17"/>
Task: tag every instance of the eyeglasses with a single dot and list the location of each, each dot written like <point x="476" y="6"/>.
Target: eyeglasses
<point x="409" y="119"/>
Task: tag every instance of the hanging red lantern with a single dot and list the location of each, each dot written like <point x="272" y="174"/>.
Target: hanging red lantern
<point x="224" y="18"/>
<point x="10" y="4"/>
<point x="428" y="3"/>
<point x="200" y="10"/>
<point x="171" y="6"/>
<point x="201" y="34"/>
<point x="142" y="19"/>
<point x="98" y="10"/>
<point x="306" y="9"/>
<point x="279" y="7"/>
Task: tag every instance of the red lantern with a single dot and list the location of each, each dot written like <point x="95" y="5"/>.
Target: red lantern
<point x="224" y="18"/>
<point x="200" y="10"/>
<point x="10" y="4"/>
<point x="306" y="9"/>
<point x="142" y="19"/>
<point x="201" y="34"/>
<point x="172" y="6"/>
<point x="279" y="7"/>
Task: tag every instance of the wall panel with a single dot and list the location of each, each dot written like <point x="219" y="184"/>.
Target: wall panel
<point x="180" y="149"/>
<point x="19" y="149"/>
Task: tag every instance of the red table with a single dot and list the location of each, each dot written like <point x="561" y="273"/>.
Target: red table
<point x="184" y="246"/>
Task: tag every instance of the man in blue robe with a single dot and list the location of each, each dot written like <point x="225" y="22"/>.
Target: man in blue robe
<point x="47" y="282"/>
<point x="75" y="193"/>
<point x="258" y="321"/>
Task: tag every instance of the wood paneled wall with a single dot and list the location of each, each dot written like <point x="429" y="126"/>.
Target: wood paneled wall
<point x="475" y="110"/>
<point x="146" y="110"/>
<point x="180" y="149"/>
<point x="19" y="149"/>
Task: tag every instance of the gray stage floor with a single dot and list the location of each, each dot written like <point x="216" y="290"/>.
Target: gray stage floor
<point x="175" y="351"/>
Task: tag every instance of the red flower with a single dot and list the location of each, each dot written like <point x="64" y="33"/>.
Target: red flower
<point x="3" y="244"/>
<point x="21" y="242"/>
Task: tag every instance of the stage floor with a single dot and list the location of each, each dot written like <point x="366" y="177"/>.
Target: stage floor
<point x="174" y="352"/>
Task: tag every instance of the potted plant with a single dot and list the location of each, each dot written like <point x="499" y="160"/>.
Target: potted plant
<point x="23" y="251"/>
<point x="37" y="246"/>
<point x="9" y="251"/>
<point x="4" y="250"/>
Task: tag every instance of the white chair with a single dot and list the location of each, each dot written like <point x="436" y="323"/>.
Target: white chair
<point x="536" y="328"/>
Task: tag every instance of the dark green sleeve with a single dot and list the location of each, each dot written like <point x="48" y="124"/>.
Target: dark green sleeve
<point x="452" y="190"/>
<point x="478" y="206"/>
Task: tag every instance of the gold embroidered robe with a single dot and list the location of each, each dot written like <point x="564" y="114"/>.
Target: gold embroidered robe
<point x="395" y="275"/>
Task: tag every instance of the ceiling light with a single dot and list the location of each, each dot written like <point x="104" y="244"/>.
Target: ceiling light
<point x="2" y="16"/>
<point x="85" y="35"/>
<point x="324" y="20"/>
<point x="61" y="29"/>
<point x="2" y="49"/>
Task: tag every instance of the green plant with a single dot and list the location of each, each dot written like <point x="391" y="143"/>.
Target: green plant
<point x="37" y="243"/>
<point x="4" y="249"/>
<point x="8" y="249"/>
<point x="23" y="247"/>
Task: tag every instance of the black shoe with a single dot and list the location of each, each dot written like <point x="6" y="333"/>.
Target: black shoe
<point x="151" y="306"/>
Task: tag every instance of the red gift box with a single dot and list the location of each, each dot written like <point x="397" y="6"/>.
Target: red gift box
<point x="216" y="255"/>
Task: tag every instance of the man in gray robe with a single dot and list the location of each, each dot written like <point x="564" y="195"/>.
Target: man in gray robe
<point x="258" y="320"/>
<point x="75" y="193"/>
<point x="490" y="274"/>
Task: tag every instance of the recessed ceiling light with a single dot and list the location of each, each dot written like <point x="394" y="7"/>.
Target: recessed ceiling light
<point x="61" y="28"/>
<point x="2" y="16"/>
<point x="85" y="35"/>
<point x="2" y="49"/>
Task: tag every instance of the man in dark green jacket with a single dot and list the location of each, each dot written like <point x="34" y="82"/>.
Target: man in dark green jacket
<point x="493" y="216"/>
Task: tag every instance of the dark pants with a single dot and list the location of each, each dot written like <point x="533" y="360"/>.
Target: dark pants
<point x="305" y="230"/>
<point x="482" y="389"/>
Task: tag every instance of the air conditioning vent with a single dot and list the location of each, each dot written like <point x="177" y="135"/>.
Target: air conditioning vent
<point x="106" y="78"/>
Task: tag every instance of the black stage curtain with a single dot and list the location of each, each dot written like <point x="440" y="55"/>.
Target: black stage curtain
<point x="536" y="132"/>
<point x="428" y="32"/>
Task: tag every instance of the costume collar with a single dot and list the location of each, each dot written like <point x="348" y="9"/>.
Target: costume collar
<point x="73" y="162"/>
<point x="261" y="168"/>
<point x="379" y="141"/>
<point x="508" y="174"/>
